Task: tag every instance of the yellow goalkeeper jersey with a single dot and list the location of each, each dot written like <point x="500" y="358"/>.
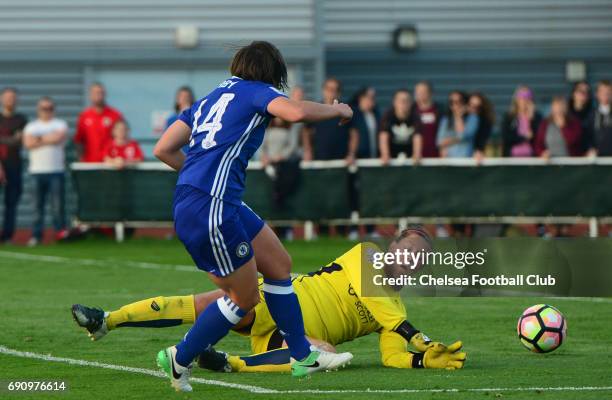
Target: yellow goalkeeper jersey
<point x="332" y="304"/>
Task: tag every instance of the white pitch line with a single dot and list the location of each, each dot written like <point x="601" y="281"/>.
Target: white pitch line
<point x="96" y="262"/>
<point x="262" y="390"/>
<point x="123" y="368"/>
<point x="586" y="299"/>
<point x="453" y="390"/>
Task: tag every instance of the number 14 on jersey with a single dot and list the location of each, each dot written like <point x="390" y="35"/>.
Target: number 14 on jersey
<point x="212" y="123"/>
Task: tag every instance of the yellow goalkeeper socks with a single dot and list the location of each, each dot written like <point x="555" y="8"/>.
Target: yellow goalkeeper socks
<point x="269" y="361"/>
<point x="156" y="312"/>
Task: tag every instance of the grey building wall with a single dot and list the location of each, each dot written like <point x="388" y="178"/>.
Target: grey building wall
<point x="486" y="45"/>
<point x="62" y="81"/>
<point x="90" y="33"/>
<point x="469" y="23"/>
<point x="113" y="23"/>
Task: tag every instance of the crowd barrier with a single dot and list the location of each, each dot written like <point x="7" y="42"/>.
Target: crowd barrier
<point x="455" y="190"/>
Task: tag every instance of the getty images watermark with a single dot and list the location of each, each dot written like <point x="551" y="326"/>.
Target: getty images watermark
<point x="397" y="268"/>
<point x="516" y="266"/>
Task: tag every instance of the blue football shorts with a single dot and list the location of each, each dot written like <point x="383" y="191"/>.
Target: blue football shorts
<point x="215" y="233"/>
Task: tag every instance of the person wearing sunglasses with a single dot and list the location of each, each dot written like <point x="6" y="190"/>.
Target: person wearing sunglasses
<point x="457" y="128"/>
<point x="580" y="102"/>
<point x="45" y="138"/>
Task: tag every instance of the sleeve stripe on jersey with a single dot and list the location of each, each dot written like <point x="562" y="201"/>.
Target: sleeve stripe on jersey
<point x="241" y="143"/>
<point x="226" y="156"/>
<point x="278" y="91"/>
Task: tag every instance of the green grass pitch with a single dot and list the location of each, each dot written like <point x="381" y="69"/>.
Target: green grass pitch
<point x="38" y="286"/>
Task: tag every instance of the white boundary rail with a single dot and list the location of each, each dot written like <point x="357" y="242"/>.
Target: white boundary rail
<point x="406" y="162"/>
<point x="425" y="162"/>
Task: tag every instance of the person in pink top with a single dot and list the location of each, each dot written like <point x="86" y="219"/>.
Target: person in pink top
<point x="520" y="125"/>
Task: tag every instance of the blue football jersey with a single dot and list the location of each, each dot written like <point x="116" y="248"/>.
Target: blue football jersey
<point x="227" y="127"/>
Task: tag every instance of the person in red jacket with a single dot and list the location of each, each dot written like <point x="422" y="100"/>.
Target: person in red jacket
<point x="560" y="134"/>
<point x="122" y="151"/>
<point x="94" y="126"/>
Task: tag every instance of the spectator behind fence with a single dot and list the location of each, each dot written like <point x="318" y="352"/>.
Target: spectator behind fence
<point x="279" y="156"/>
<point x="11" y="130"/>
<point x="520" y="125"/>
<point x="581" y="103"/>
<point x="122" y="151"/>
<point x="327" y="140"/>
<point x="280" y="144"/>
<point x="560" y="134"/>
<point x="365" y="122"/>
<point x="183" y="100"/>
<point x="281" y="160"/>
<point x="45" y="139"/>
<point x="94" y="126"/>
<point x="429" y="114"/>
<point x="400" y="130"/>
<point x="599" y="129"/>
<point x="480" y="105"/>
<point x="297" y="94"/>
<point x="365" y="126"/>
<point x="457" y="128"/>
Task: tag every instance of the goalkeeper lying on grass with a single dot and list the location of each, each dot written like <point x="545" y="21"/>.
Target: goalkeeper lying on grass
<point x="334" y="312"/>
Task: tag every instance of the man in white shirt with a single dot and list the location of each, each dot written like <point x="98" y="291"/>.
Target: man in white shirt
<point x="45" y="138"/>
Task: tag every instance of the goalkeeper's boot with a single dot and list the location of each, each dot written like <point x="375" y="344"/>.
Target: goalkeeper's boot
<point x="214" y="360"/>
<point x="179" y="375"/>
<point x="92" y="319"/>
<point x="319" y="360"/>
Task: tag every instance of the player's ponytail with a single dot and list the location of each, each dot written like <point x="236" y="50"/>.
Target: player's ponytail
<point x="260" y="61"/>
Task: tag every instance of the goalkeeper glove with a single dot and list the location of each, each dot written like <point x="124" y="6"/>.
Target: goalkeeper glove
<point x="441" y="357"/>
<point x="421" y="342"/>
<point x="412" y="335"/>
<point x="417" y="339"/>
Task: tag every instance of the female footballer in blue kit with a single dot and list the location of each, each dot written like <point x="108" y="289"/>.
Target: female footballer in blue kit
<point x="222" y="234"/>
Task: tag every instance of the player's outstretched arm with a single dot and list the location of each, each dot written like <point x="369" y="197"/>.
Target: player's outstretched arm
<point x="416" y="338"/>
<point x="168" y="147"/>
<point x="308" y="111"/>
<point x="394" y="354"/>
